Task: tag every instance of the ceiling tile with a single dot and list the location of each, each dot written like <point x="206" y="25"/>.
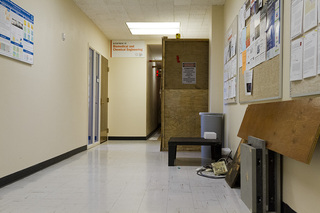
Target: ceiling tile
<point x="110" y="15"/>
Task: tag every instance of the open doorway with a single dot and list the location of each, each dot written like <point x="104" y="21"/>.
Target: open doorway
<point x="154" y="68"/>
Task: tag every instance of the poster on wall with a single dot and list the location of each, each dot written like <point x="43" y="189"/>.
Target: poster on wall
<point x="273" y="29"/>
<point x="310" y="46"/>
<point x="16" y="32"/>
<point x="296" y="63"/>
<point x="135" y="49"/>
<point x="310" y="14"/>
<point x="296" y="18"/>
<point x="248" y="76"/>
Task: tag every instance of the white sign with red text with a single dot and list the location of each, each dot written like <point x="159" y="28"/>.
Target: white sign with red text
<point x="134" y="49"/>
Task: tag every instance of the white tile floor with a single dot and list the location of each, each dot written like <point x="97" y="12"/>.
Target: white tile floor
<point x="121" y="177"/>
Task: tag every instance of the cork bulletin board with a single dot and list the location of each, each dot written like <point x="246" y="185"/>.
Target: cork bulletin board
<point x="305" y="87"/>
<point x="267" y="74"/>
<point x="267" y="80"/>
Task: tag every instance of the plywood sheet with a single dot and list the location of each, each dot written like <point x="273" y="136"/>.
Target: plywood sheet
<point x="181" y="115"/>
<point x="179" y="51"/>
<point x="181" y="103"/>
<point x="233" y="174"/>
<point x="290" y="128"/>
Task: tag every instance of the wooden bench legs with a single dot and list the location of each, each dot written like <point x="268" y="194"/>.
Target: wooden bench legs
<point x="216" y="152"/>
<point x="172" y="153"/>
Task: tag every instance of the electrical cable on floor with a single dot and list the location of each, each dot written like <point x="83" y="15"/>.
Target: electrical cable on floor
<point x="207" y="171"/>
<point x="209" y="174"/>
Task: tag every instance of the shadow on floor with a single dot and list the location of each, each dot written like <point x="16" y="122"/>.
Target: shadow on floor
<point x="180" y="161"/>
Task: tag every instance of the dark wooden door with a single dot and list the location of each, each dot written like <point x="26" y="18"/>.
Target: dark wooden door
<point x="104" y="100"/>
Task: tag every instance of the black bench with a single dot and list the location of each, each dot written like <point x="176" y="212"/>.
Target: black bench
<point x="174" y="141"/>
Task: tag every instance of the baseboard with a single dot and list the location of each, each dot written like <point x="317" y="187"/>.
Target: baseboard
<point x="127" y="138"/>
<point x="150" y="134"/>
<point x="285" y="208"/>
<point x="133" y="138"/>
<point x="33" y="169"/>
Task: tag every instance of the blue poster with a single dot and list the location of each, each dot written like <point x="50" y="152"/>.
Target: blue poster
<point x="243" y="39"/>
<point x="273" y="28"/>
<point x="270" y="30"/>
<point x="16" y="32"/>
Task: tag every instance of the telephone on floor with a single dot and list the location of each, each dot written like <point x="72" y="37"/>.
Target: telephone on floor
<point x="219" y="168"/>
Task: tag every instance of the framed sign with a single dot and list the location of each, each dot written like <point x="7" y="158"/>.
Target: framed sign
<point x="135" y="49"/>
<point x="16" y="32"/>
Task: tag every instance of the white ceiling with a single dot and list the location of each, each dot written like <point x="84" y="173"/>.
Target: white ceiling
<point x="111" y="15"/>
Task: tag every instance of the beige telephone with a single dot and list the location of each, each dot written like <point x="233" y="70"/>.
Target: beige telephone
<point x="219" y="168"/>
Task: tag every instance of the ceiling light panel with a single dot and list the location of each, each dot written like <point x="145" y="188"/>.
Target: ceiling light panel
<point x="154" y="28"/>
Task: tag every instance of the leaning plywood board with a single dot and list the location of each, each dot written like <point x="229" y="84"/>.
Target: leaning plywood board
<point x="179" y="51"/>
<point x="290" y="128"/>
<point x="233" y="174"/>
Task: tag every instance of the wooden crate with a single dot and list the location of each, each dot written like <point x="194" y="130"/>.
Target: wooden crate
<point x="181" y="103"/>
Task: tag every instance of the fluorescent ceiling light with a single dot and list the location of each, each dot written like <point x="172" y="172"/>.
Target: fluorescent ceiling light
<point x="154" y="28"/>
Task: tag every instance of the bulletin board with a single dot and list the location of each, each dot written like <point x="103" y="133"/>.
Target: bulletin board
<point x="231" y="63"/>
<point x="16" y="32"/>
<point x="267" y="80"/>
<point x="265" y="76"/>
<point x="305" y="70"/>
<point x="309" y="86"/>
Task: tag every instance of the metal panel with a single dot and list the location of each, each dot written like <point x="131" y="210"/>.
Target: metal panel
<point x="248" y="176"/>
<point x="262" y="171"/>
<point x="260" y="177"/>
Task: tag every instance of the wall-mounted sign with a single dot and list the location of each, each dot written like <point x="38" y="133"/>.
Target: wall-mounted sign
<point x="134" y="49"/>
<point x="16" y="32"/>
<point x="189" y="73"/>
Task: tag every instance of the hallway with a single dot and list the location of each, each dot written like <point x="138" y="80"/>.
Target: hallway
<point x="121" y="177"/>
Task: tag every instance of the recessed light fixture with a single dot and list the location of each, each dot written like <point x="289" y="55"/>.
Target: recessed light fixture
<point x="154" y="28"/>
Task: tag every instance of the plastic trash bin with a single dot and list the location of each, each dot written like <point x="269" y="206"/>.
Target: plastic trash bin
<point x="211" y="122"/>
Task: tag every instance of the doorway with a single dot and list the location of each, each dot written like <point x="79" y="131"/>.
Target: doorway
<point x="154" y="60"/>
<point x="104" y="100"/>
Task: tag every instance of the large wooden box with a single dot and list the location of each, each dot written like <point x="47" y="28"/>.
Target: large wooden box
<point x="182" y="102"/>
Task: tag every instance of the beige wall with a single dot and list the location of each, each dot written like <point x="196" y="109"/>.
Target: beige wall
<point x="216" y="61"/>
<point x="128" y="96"/>
<point x="301" y="185"/>
<point x="127" y="93"/>
<point x="44" y="106"/>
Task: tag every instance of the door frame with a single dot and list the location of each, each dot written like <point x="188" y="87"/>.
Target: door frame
<point x="94" y="123"/>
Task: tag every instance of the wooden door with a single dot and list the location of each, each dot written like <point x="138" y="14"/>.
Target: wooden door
<point x="104" y="100"/>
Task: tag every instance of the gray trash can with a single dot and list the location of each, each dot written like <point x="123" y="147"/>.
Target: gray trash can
<point x="211" y="122"/>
